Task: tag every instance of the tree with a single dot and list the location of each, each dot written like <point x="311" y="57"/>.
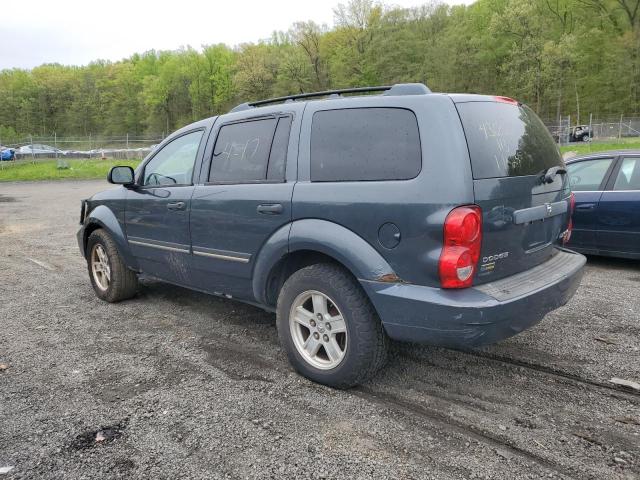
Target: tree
<point x="307" y="36"/>
<point x="564" y="57"/>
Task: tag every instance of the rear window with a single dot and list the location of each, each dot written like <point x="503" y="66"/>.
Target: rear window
<point x="506" y="140"/>
<point x="364" y="144"/>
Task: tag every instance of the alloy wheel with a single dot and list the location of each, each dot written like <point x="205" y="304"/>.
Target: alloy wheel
<point x="318" y="330"/>
<point x="100" y="268"/>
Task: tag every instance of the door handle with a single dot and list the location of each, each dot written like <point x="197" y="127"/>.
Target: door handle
<point x="585" y="206"/>
<point x="176" y="206"/>
<point x="270" y="208"/>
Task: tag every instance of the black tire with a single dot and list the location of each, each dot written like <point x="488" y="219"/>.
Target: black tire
<point x="366" y="351"/>
<point x="123" y="282"/>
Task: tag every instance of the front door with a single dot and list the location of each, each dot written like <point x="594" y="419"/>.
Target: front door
<point x="587" y="178"/>
<point x="619" y="210"/>
<point x="244" y="198"/>
<point x="157" y="211"/>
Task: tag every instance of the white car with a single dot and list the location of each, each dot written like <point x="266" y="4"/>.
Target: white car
<point x="38" y="148"/>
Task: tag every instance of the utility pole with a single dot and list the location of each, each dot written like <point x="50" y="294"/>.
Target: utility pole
<point x="620" y="127"/>
<point x="575" y="84"/>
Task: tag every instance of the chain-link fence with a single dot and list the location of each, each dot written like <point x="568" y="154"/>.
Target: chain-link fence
<point x="119" y="147"/>
<point x="568" y="130"/>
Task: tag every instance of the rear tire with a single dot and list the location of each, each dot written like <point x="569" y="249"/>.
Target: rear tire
<point x="328" y="327"/>
<point x="110" y="278"/>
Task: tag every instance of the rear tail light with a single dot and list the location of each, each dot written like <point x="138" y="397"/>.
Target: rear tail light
<point x="572" y="207"/>
<point x="461" y="248"/>
<point x="572" y="204"/>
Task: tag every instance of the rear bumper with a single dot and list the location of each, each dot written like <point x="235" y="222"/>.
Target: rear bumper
<point x="480" y="315"/>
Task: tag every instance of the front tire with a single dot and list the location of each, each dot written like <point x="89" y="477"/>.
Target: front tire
<point x="110" y="278"/>
<point x="328" y="327"/>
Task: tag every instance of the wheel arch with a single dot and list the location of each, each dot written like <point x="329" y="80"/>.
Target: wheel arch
<point x="102" y="217"/>
<point x="310" y="241"/>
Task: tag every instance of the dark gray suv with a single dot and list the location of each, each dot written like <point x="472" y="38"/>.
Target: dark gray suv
<point x="402" y="214"/>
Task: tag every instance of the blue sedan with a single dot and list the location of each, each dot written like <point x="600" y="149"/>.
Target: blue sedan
<point x="7" y="153"/>
<point x="606" y="219"/>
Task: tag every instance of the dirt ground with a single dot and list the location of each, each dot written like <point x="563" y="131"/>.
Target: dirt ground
<point x="177" y="384"/>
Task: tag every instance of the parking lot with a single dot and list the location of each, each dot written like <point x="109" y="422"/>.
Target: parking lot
<point x="180" y="384"/>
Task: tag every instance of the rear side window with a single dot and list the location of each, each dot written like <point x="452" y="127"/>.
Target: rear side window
<point x="242" y="151"/>
<point x="629" y="175"/>
<point x="279" y="148"/>
<point x="588" y="175"/>
<point x="506" y="140"/>
<point x="364" y="144"/>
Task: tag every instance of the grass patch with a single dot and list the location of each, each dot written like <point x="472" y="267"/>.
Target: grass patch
<point x="588" y="147"/>
<point x="26" y="170"/>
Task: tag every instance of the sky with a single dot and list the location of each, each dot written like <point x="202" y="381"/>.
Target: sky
<point x="76" y="32"/>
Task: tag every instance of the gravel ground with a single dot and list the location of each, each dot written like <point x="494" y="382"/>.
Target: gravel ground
<point x="180" y="384"/>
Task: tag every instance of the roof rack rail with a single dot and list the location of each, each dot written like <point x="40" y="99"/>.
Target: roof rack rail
<point x="397" y="89"/>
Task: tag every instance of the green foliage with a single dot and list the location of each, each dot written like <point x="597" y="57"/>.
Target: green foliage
<point x="562" y="57"/>
<point x="8" y="135"/>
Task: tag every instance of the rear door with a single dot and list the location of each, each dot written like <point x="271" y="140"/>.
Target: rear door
<point x="244" y="195"/>
<point x="618" y="212"/>
<point x="587" y="178"/>
<point x="524" y="214"/>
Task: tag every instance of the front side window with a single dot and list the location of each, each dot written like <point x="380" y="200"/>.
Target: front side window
<point x="588" y="174"/>
<point x="365" y="144"/>
<point x="173" y="164"/>
<point x="629" y="175"/>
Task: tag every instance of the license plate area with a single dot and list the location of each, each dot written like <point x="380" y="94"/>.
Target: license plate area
<point x="538" y="235"/>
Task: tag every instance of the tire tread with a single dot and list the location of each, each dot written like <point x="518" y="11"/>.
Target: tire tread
<point x="124" y="282"/>
<point x="370" y="335"/>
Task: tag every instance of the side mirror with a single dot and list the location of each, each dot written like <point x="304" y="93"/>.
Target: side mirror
<point x="121" y="175"/>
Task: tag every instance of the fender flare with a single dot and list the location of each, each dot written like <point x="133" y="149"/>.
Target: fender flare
<point x="105" y="218"/>
<point x="322" y="236"/>
<point x="274" y="250"/>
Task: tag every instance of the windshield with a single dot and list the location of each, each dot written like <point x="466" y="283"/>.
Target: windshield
<point x="506" y="140"/>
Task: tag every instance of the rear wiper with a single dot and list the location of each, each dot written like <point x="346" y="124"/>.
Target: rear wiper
<point x="550" y="173"/>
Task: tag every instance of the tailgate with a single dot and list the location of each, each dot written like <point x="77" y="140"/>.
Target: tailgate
<point x="522" y="221"/>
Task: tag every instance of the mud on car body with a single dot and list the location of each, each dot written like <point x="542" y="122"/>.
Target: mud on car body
<point x="403" y="214"/>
